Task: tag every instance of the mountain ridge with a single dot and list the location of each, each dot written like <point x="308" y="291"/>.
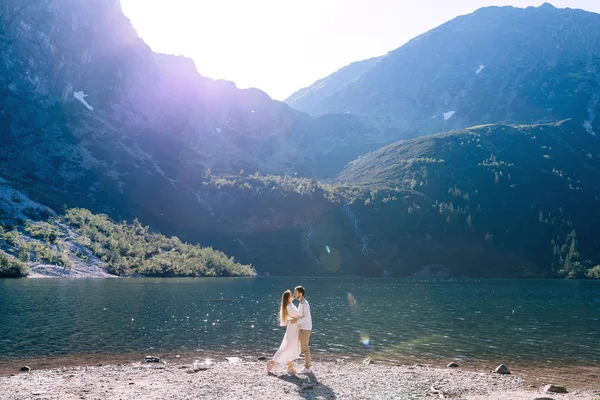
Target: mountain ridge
<point x="495" y="65"/>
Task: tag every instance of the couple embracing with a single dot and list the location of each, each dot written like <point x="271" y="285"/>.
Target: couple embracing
<point x="298" y="324"/>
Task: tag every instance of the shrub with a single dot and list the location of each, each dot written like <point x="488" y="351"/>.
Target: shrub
<point x="11" y="237"/>
<point x="594" y="273"/>
<point x="25" y="252"/>
<point x="43" y="231"/>
<point x="12" y="268"/>
<point x="130" y="248"/>
<point x="63" y="260"/>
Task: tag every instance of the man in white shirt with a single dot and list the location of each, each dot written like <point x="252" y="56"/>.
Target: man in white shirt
<point x="305" y="325"/>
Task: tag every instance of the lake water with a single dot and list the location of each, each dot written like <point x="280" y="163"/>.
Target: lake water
<point x="525" y="321"/>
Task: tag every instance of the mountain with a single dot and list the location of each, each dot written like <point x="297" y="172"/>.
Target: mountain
<point x="92" y="118"/>
<point x="308" y="98"/>
<point x="497" y="65"/>
<point x="491" y="200"/>
<point x="488" y="201"/>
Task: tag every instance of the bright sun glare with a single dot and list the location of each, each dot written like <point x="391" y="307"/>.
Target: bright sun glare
<point x="239" y="40"/>
<point x="280" y="46"/>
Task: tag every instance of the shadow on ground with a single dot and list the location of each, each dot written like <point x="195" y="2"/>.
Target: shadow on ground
<point x="309" y="386"/>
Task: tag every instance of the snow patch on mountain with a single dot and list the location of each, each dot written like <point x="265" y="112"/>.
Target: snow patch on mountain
<point x="80" y="95"/>
<point x="448" y="115"/>
<point x="591" y="116"/>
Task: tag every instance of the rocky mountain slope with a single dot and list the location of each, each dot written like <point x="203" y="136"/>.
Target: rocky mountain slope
<point x="91" y="117"/>
<point x="496" y="65"/>
<point x="35" y="241"/>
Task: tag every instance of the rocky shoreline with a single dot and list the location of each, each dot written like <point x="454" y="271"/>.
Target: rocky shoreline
<point x="236" y="378"/>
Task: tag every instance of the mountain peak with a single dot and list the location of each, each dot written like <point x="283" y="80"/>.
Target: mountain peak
<point x="446" y="78"/>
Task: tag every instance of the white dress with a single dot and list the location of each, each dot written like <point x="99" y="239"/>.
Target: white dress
<point x="290" y="346"/>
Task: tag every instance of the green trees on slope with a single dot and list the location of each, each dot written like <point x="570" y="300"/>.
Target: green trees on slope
<point x="125" y="249"/>
<point x="129" y="249"/>
<point x="572" y="266"/>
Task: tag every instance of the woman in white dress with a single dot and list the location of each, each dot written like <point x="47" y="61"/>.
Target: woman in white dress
<point x="290" y="346"/>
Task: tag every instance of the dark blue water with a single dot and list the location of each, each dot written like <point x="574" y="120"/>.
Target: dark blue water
<point x="492" y="320"/>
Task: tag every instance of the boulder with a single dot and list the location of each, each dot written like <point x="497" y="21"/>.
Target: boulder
<point x="502" y="369"/>
<point x="196" y="369"/>
<point x="368" y="361"/>
<point x="152" y="359"/>
<point x="262" y="358"/>
<point x="555" y="389"/>
<point x="25" y="369"/>
<point x="452" y="365"/>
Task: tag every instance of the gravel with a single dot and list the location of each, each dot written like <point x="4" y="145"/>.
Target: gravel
<point x="249" y="380"/>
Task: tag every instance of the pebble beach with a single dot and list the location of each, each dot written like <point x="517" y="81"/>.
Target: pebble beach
<point x="235" y="378"/>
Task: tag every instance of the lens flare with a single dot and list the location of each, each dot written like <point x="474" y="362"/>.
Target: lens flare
<point x="330" y="258"/>
<point x="351" y="299"/>
<point x="365" y="339"/>
<point x="353" y="304"/>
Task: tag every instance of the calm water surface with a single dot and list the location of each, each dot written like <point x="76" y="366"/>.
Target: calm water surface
<point x="542" y="321"/>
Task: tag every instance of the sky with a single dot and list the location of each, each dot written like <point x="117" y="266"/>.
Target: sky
<point x="280" y="46"/>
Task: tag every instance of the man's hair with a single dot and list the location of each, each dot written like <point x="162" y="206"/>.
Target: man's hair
<point x="300" y="289"/>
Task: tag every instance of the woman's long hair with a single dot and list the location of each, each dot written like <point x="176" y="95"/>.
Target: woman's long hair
<point x="283" y="314"/>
